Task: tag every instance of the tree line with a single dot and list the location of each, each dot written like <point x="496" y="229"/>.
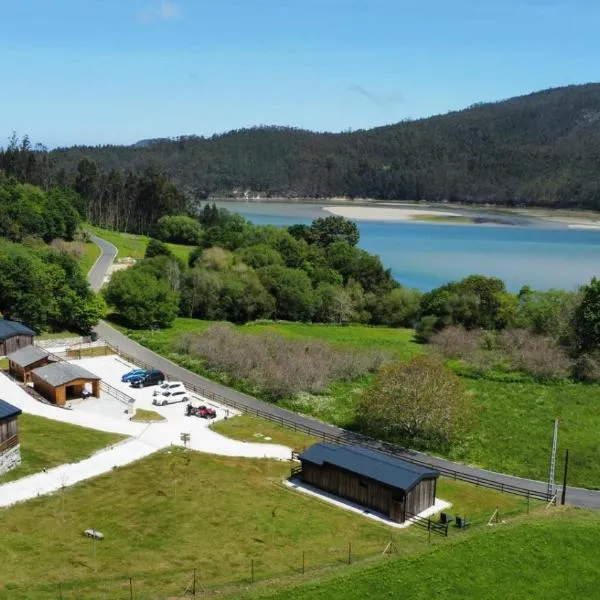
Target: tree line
<point x="542" y="149"/>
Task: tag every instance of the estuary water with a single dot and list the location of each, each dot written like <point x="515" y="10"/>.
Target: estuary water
<point x="540" y="254"/>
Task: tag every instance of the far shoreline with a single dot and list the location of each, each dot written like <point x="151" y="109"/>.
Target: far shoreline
<point x="442" y="213"/>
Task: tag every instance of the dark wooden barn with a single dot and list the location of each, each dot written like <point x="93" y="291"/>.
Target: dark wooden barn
<point x="14" y="336"/>
<point x="10" y="450"/>
<point x="385" y="484"/>
<point x="25" y="360"/>
<point x="60" y="381"/>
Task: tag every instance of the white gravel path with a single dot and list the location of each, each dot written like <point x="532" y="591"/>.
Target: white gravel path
<point x="144" y="439"/>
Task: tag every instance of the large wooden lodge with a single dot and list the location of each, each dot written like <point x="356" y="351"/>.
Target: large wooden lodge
<point x="14" y="336"/>
<point x="384" y="484"/>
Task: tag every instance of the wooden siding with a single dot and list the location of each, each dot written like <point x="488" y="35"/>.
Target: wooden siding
<point x="24" y="373"/>
<point x="387" y="500"/>
<point x="14" y="343"/>
<point x="58" y="395"/>
<point x="9" y="430"/>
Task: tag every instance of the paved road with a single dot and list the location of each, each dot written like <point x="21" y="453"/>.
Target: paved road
<point x="576" y="496"/>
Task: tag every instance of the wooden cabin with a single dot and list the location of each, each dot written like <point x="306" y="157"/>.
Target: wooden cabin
<point x="10" y="449"/>
<point x="382" y="483"/>
<point x="61" y="381"/>
<point x="14" y="336"/>
<point x="22" y="362"/>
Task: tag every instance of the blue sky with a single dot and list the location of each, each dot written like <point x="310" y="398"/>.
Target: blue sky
<point x="117" y="71"/>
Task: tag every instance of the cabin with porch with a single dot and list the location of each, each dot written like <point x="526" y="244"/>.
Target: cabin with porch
<point x="10" y="448"/>
<point x="25" y="360"/>
<point x="14" y="336"/>
<point x="62" y="381"/>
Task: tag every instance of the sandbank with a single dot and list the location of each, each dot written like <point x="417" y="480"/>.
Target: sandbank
<point x="377" y="213"/>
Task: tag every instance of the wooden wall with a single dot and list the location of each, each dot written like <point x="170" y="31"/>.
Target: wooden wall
<point x="58" y="395"/>
<point x="14" y="343"/>
<point x="24" y="373"/>
<point x="369" y="493"/>
<point x="9" y="430"/>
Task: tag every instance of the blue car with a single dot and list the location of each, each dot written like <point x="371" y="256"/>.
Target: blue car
<point x="133" y="374"/>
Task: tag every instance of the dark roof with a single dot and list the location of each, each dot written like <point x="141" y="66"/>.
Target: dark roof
<point x="27" y="356"/>
<point x="8" y="410"/>
<point x="61" y="373"/>
<point x="11" y="328"/>
<point x="380" y="467"/>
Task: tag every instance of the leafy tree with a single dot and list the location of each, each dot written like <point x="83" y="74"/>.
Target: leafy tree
<point x="142" y="299"/>
<point x="546" y="312"/>
<point x="329" y="230"/>
<point x="259" y="255"/>
<point x="200" y="293"/>
<point x="157" y="248"/>
<point x="292" y="290"/>
<point x="179" y="230"/>
<point x="398" y="308"/>
<point x="419" y="403"/>
<point x="586" y="319"/>
<point x="301" y="232"/>
<point x="333" y="304"/>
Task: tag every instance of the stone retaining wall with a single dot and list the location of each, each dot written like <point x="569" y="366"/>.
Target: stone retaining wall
<point x="10" y="459"/>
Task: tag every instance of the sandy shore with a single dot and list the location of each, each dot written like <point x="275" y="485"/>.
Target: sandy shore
<point x="376" y="213"/>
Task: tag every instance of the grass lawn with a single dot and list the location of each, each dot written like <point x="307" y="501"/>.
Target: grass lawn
<point x="550" y="557"/>
<point x="129" y="244"/>
<point x="248" y="428"/>
<point x="90" y="255"/>
<point x="57" y="335"/>
<point x="512" y="431"/>
<point x="47" y="443"/>
<point x="147" y="415"/>
<point x="177" y="510"/>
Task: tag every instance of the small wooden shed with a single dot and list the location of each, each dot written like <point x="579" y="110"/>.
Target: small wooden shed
<point x="22" y="362"/>
<point x="380" y="482"/>
<point x="10" y="449"/>
<point x="14" y="336"/>
<point x="60" y="381"/>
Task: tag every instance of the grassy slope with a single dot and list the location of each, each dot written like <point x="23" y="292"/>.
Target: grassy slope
<point x="47" y="443"/>
<point x="513" y="427"/>
<point x="129" y="244"/>
<point x="177" y="510"/>
<point x="549" y="558"/>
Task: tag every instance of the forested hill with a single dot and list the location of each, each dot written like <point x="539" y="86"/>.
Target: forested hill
<point x="541" y="149"/>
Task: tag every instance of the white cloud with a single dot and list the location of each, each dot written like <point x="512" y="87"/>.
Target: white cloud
<point x="161" y="11"/>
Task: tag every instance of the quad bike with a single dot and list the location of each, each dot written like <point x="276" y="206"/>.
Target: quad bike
<point x="205" y="412"/>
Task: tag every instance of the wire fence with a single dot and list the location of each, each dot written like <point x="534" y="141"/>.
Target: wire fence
<point x="346" y="437"/>
<point x="219" y="575"/>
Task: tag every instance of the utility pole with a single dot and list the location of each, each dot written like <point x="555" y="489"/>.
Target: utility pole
<point x="564" y="490"/>
<point x="551" y="476"/>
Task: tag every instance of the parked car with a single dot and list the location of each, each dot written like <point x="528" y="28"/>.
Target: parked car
<point x="149" y="378"/>
<point x="170" y="397"/>
<point x="168" y="386"/>
<point x="134" y="374"/>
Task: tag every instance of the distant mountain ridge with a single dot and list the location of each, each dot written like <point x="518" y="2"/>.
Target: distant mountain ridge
<point x="540" y="149"/>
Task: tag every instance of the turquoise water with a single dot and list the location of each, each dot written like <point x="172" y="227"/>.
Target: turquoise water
<point x="424" y="256"/>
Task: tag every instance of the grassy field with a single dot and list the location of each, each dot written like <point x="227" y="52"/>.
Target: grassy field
<point x="134" y="246"/>
<point x="554" y="556"/>
<point x="47" y="443"/>
<point x="146" y="415"/>
<point x="248" y="428"/>
<point x="176" y="511"/>
<point x="512" y="431"/>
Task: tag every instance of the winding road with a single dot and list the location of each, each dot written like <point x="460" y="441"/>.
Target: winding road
<point x="576" y="496"/>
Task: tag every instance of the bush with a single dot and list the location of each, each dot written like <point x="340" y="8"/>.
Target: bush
<point x="537" y="355"/>
<point x="276" y="366"/>
<point x="587" y="368"/>
<point x="456" y="342"/>
<point x="426" y="328"/>
<point x="179" y="230"/>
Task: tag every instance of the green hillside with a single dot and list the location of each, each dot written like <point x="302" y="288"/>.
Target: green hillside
<point x="540" y="149"/>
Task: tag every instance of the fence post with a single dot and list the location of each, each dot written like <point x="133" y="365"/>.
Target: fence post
<point x="349" y="553"/>
<point x="252" y="571"/>
<point x="429" y="530"/>
<point x="130" y="588"/>
<point x="303" y="563"/>
<point x="60" y="591"/>
<point x="194" y="585"/>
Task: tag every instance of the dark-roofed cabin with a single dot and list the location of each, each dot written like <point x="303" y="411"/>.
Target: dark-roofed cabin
<point x="22" y="362"/>
<point x="60" y="381"/>
<point x="14" y="336"/>
<point x="10" y="449"/>
<point x="385" y="484"/>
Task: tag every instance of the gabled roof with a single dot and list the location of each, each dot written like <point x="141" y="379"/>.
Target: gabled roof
<point x="27" y="356"/>
<point x="11" y="328"/>
<point x="61" y="373"/>
<point x="371" y="464"/>
<point x="8" y="410"/>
